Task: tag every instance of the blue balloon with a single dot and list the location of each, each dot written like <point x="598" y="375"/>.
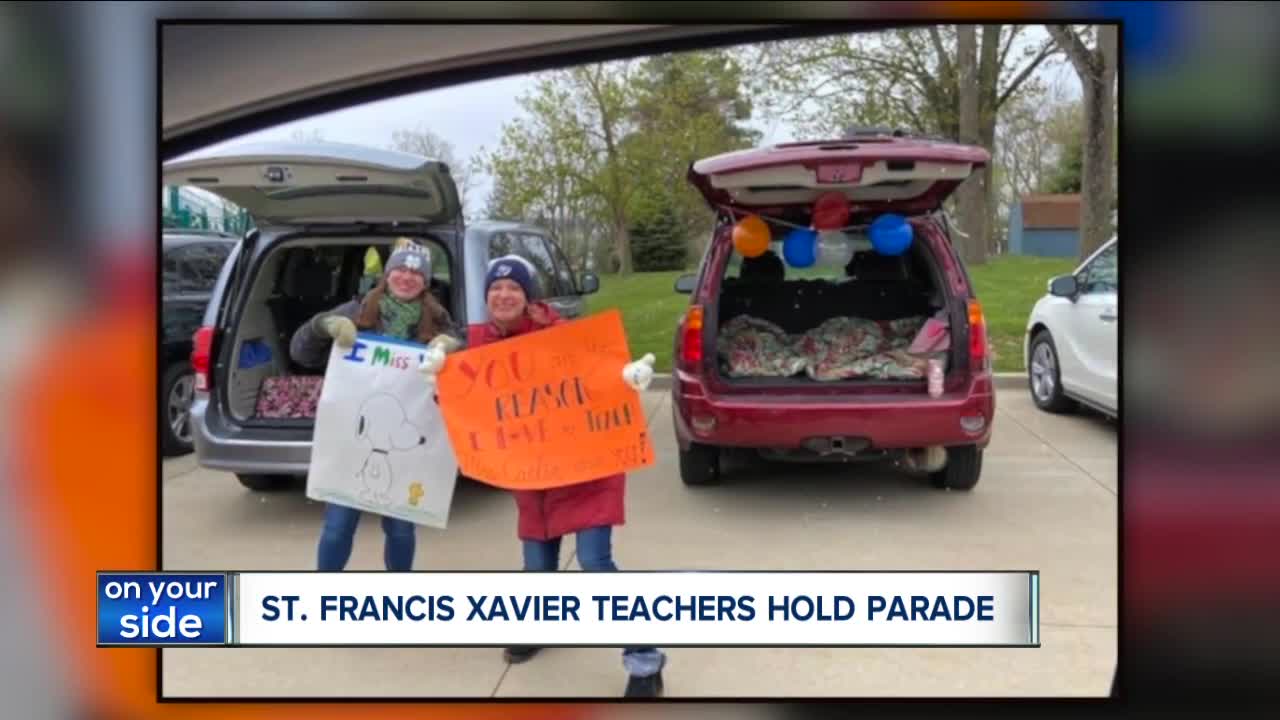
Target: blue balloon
<point x="890" y="234"/>
<point x="800" y="247"/>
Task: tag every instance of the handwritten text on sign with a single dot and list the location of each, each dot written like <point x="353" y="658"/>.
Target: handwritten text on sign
<point x="546" y="409"/>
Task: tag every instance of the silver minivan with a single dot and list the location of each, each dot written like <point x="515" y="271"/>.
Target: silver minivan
<point x="320" y="209"/>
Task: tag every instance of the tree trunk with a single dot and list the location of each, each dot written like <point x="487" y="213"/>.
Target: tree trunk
<point x="987" y="139"/>
<point x="971" y="196"/>
<point x="988" y="81"/>
<point x="622" y="240"/>
<point x="992" y="202"/>
<point x="1096" y="187"/>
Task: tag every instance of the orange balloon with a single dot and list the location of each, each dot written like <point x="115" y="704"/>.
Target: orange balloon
<point x="751" y="236"/>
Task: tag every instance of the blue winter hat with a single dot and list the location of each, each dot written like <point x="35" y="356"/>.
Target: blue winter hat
<point x="511" y="267"/>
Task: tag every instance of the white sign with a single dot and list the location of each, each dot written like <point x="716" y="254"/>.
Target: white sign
<point x="380" y="441"/>
<point x="616" y="609"/>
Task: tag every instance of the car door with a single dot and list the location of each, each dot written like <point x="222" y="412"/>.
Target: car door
<point x="1091" y="332"/>
<point x="568" y="280"/>
<point x="564" y="300"/>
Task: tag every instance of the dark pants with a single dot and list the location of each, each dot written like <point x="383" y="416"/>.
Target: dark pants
<point x="595" y="553"/>
<point x="340" y="530"/>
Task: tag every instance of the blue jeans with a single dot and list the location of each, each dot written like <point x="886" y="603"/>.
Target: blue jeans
<point x="595" y="553"/>
<point x="340" y="530"/>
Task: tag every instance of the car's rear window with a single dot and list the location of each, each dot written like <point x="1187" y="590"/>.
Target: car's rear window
<point x="193" y="268"/>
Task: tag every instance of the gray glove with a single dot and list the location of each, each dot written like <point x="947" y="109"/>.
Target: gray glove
<point x="338" y="327"/>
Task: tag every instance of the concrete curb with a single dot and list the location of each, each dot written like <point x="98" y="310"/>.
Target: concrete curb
<point x="1003" y="381"/>
<point x="1011" y="380"/>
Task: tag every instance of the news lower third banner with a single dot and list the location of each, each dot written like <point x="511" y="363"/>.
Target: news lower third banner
<point x="578" y="609"/>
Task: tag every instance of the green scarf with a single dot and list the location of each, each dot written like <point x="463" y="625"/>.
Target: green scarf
<point x="399" y="318"/>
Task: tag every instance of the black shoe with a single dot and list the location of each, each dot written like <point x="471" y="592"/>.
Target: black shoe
<point x="648" y="686"/>
<point x="517" y="655"/>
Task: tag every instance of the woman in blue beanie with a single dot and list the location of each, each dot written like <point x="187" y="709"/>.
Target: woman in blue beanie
<point x="400" y="306"/>
<point x="589" y="509"/>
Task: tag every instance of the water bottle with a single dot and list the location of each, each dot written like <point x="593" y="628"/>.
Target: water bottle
<point x="935" y="377"/>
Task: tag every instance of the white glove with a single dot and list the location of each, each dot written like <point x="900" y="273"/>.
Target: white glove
<point x="446" y="343"/>
<point x="432" y="363"/>
<point x="639" y="374"/>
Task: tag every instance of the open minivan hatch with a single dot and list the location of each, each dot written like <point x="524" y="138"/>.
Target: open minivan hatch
<point x="301" y="183"/>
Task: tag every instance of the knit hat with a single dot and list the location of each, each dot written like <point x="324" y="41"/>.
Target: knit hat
<point x="511" y="267"/>
<point x="410" y="256"/>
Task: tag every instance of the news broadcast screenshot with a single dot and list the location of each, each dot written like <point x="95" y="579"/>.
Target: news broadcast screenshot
<point x="697" y="373"/>
<point x="758" y="370"/>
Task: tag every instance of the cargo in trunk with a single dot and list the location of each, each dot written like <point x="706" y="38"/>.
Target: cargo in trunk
<point x="877" y="318"/>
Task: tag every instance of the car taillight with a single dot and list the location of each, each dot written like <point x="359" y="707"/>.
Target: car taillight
<point x="201" y="356"/>
<point x="691" y="341"/>
<point x="979" y="357"/>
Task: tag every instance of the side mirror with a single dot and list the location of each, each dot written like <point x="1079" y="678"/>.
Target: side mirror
<point x="1064" y="286"/>
<point x="686" y="283"/>
<point x="590" y="283"/>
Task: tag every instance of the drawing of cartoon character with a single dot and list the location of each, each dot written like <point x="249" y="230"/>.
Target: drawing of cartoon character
<point x="384" y="426"/>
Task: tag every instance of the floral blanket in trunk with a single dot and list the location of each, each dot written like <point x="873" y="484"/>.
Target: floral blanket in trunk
<point x="752" y="347"/>
<point x="841" y="348"/>
<point x="295" y="396"/>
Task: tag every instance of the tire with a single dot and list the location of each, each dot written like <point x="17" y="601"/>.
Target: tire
<point x="1044" y="376"/>
<point x="964" y="467"/>
<point x="700" y="465"/>
<point x="265" y="483"/>
<point x="177" y="391"/>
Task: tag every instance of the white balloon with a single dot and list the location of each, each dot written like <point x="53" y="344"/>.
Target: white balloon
<point x="860" y="242"/>
<point x="834" y="248"/>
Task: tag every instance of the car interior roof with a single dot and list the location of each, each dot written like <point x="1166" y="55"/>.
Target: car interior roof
<point x="357" y="64"/>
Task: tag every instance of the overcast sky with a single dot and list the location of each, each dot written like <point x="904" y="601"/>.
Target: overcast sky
<point x="471" y="117"/>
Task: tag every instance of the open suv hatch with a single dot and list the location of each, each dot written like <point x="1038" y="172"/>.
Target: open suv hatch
<point x="823" y="362"/>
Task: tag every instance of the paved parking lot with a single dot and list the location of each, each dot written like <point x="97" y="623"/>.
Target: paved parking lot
<point x="1047" y="501"/>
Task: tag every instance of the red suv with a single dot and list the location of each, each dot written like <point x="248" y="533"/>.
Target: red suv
<point x="831" y="359"/>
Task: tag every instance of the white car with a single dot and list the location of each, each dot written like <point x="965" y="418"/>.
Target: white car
<point x="1070" y="345"/>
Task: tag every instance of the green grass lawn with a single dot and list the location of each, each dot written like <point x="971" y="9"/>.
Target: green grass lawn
<point x="1007" y="288"/>
<point x="650" y="307"/>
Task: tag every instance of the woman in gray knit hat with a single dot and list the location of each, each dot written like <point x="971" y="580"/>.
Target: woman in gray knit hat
<point x="400" y="306"/>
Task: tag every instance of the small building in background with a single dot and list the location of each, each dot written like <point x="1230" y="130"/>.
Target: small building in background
<point x="1045" y="226"/>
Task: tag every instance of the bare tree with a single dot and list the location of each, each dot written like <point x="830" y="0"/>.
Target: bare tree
<point x="1096" y="68"/>
<point x="422" y="141"/>
<point x="1034" y="133"/>
<point x="907" y="78"/>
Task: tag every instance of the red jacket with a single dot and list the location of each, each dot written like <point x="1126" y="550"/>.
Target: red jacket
<point x="549" y="514"/>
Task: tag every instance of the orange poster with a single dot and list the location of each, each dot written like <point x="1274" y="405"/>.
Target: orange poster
<point x="546" y="409"/>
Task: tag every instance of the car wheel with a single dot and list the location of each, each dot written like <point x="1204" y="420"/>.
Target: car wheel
<point x="177" y="393"/>
<point x="265" y="483"/>
<point x="964" y="467"/>
<point x="1044" y="377"/>
<point x="700" y="465"/>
